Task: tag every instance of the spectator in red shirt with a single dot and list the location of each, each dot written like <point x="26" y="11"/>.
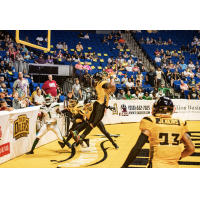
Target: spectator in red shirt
<point x="109" y="70"/>
<point x="4" y="106"/>
<point x="40" y="60"/>
<point x="170" y="41"/>
<point x="12" y="53"/>
<point x="157" y="52"/>
<point x="60" y="55"/>
<point x="50" y="87"/>
<point x="121" y="40"/>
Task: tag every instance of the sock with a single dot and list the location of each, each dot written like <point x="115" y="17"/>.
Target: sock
<point x="69" y="137"/>
<point x="34" y="144"/>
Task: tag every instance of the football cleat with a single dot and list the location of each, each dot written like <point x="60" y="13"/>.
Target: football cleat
<point x="87" y="142"/>
<point x="116" y="146"/>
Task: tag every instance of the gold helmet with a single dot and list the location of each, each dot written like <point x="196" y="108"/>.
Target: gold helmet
<point x="88" y="104"/>
<point x="73" y="102"/>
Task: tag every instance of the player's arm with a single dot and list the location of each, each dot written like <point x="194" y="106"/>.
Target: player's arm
<point x="110" y="85"/>
<point x="189" y="146"/>
<point x="143" y="138"/>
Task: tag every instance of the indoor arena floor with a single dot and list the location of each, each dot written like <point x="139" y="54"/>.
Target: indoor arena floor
<point x="101" y="153"/>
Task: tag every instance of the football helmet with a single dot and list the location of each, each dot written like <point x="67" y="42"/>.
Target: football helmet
<point x="88" y="104"/>
<point x="48" y="100"/>
<point x="73" y="102"/>
<point x="163" y="107"/>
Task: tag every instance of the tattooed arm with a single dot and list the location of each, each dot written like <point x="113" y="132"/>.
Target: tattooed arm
<point x="189" y="146"/>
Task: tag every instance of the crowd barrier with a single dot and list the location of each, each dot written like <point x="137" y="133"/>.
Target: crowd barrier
<point x="18" y="127"/>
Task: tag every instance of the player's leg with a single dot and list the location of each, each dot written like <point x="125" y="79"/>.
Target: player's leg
<point x="105" y="132"/>
<point x="41" y="133"/>
<point x="57" y="131"/>
<point x="68" y="123"/>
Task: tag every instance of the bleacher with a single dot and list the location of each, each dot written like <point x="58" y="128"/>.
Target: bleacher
<point x="178" y="38"/>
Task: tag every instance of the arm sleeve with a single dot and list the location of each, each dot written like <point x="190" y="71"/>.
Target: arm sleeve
<point x="135" y="150"/>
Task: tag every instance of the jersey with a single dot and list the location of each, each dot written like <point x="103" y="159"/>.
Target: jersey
<point x="78" y="109"/>
<point x="87" y="113"/>
<point x="102" y="93"/>
<point x="50" y="114"/>
<point x="164" y="139"/>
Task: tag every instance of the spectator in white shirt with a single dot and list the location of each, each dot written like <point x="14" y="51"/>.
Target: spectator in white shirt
<point x="38" y="98"/>
<point x="129" y="85"/>
<point x="110" y="60"/>
<point x="154" y="95"/>
<point x="124" y="79"/>
<point x="188" y="73"/>
<point x="39" y="38"/>
<point x="121" y="59"/>
<point x="112" y="96"/>
<point x="130" y="60"/>
<point x="137" y="95"/>
<point x="65" y="46"/>
<point x="191" y="65"/>
<point x="158" y="59"/>
<point x="86" y="36"/>
<point x="59" y="45"/>
<point x="198" y="42"/>
<point x="129" y="68"/>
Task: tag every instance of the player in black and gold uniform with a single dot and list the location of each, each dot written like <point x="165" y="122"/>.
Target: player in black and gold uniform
<point x="164" y="134"/>
<point x="88" y="108"/>
<point x="102" y="88"/>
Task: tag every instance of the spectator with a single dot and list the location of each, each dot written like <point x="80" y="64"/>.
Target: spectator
<point x="151" y="77"/>
<point x="198" y="73"/>
<point x="66" y="54"/>
<point x="86" y="36"/>
<point x="38" y="98"/>
<point x="137" y="96"/>
<point x="148" y="41"/>
<point x="183" y="65"/>
<point x="4" y="106"/>
<point x="118" y="34"/>
<point x="79" y="66"/>
<point x="2" y="69"/>
<point x="87" y="79"/>
<point x="1" y="80"/>
<point x="2" y="37"/>
<point x="191" y="82"/>
<point x="125" y="63"/>
<point x="88" y="55"/>
<point x="59" y="45"/>
<point x="193" y="94"/>
<point x="183" y="48"/>
<point x="49" y="87"/>
<point x="121" y="40"/>
<point x="86" y="66"/>
<point x="198" y="42"/>
<point x="175" y="54"/>
<point x="105" y="40"/>
<point x="27" y="56"/>
<point x="25" y="74"/>
<point x="24" y="49"/>
<point x="163" y="89"/>
<point x="142" y="41"/>
<point x="168" y="55"/>
<point x="159" y="74"/>
<point x="146" y="96"/>
<point x="9" y="69"/>
<point x="131" y="61"/>
<point x="158" y="59"/>
<point x="191" y="65"/>
<point x="128" y="68"/>
<point x="121" y="59"/>
<point x="3" y="87"/>
<point x="79" y="47"/>
<point x="154" y="95"/>
<point x="40" y="38"/>
<point x="193" y="42"/>
<point x="80" y="35"/>
<point x="6" y="58"/>
<point x="21" y="85"/>
<point x="183" y="77"/>
<point x="162" y="53"/>
<point x="160" y="42"/>
<point x="138" y="84"/>
<point x="168" y="75"/>
<point x="65" y="47"/>
<point x="75" y="59"/>
<point x="49" y="60"/>
<point x="175" y="77"/>
<point x="125" y="55"/>
<point x="68" y="58"/>
<point x="171" y="65"/>
<point x="40" y="60"/>
<point x="157" y="52"/>
<point x="163" y="64"/>
<point x="124" y="79"/>
<point x="20" y="58"/>
<point x="118" y="46"/>
<point x="81" y="56"/>
<point x="46" y="39"/>
<point x="183" y="87"/>
<point x="193" y="50"/>
<point x="188" y="73"/>
<point x="132" y="55"/>
<point x="135" y="68"/>
<point x="129" y="96"/>
<point x="76" y="89"/>
<point x="188" y="48"/>
<point x="95" y="56"/>
<point x="12" y="53"/>
<point x="130" y="85"/>
<point x="140" y="64"/>
<point x="112" y="96"/>
<point x="115" y="41"/>
<point x="17" y="101"/>
<point x="59" y="55"/>
<point x="110" y="37"/>
<point x="33" y="94"/>
<point x="121" y="95"/>
<point x="170" y="41"/>
<point x="109" y="70"/>
<point x="32" y="57"/>
<point x="197" y="66"/>
<point x="124" y="46"/>
<point x="177" y="65"/>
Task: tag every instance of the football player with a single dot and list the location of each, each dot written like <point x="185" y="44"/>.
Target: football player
<point x="88" y="108"/>
<point x="164" y="134"/>
<point x="103" y="88"/>
<point x="49" y="111"/>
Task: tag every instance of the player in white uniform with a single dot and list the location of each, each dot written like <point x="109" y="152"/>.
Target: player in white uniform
<point x="50" y="113"/>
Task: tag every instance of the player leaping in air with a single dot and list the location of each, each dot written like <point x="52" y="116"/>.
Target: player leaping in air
<point x="102" y="88"/>
<point x="164" y="134"/>
<point x="49" y="111"/>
